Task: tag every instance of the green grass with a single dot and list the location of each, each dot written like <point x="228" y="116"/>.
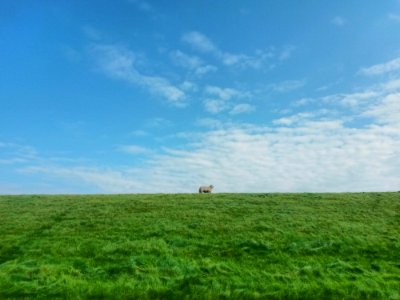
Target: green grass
<point x="220" y="246"/>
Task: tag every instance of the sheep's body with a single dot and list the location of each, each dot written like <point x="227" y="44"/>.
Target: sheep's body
<point x="206" y="189"/>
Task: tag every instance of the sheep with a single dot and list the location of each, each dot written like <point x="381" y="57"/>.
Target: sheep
<point x="206" y="189"/>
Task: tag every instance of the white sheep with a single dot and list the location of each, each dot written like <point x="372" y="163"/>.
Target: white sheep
<point x="206" y="189"/>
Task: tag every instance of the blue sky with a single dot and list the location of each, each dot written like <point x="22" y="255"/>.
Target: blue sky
<point x="135" y="96"/>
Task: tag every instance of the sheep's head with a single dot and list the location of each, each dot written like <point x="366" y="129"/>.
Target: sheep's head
<point x="211" y="186"/>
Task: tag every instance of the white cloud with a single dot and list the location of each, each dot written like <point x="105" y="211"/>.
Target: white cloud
<point x="109" y="181"/>
<point x="205" y="69"/>
<point x="158" y="123"/>
<point x="312" y="151"/>
<point x="387" y="67"/>
<point x="119" y="62"/>
<point x="11" y="161"/>
<point x="188" y="86"/>
<point x="209" y="123"/>
<point x="355" y="100"/>
<point x="200" y="42"/>
<point x="304" y="152"/>
<point x="386" y="111"/>
<point x="303" y="101"/>
<point x="339" y="21"/>
<point x="318" y="156"/>
<point x="392" y="85"/>
<point x="11" y="153"/>
<point x="133" y="149"/>
<point x="358" y="98"/>
<point x="259" y="59"/>
<point x="215" y="106"/>
<point x="287" y="86"/>
<point x="294" y="119"/>
<point x="220" y="99"/>
<point x="242" y="108"/>
<point x="193" y="63"/>
<point x="188" y="61"/>
<point x="222" y="93"/>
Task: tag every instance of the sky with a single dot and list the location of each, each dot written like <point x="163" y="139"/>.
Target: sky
<point x="162" y="96"/>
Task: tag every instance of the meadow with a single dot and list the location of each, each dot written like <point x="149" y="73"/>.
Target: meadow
<point x="208" y="246"/>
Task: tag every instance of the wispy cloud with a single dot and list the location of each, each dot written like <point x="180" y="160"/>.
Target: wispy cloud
<point x="92" y="33"/>
<point x="260" y="58"/>
<point x="339" y="21"/>
<point x="222" y="93"/>
<point x="242" y="108"/>
<point x="192" y="63"/>
<point x="294" y="119"/>
<point x="386" y="111"/>
<point x="11" y="153"/>
<point x="379" y="69"/>
<point x="200" y="42"/>
<point x="305" y="151"/>
<point x="119" y="62"/>
<point x="394" y="17"/>
<point x="318" y="155"/>
<point x="286" y="52"/>
<point x="142" y="5"/>
<point x="218" y="100"/>
<point x="158" y="123"/>
<point x="133" y="149"/>
<point x="286" y="86"/>
<point x="302" y="152"/>
<point x="215" y="106"/>
<point x="139" y="133"/>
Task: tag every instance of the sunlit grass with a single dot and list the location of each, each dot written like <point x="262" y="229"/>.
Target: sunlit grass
<point x="276" y="246"/>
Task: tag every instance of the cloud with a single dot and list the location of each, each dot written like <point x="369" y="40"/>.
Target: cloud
<point x="11" y="161"/>
<point x="242" y="108"/>
<point x="200" y="42"/>
<point x="308" y="151"/>
<point x="11" y="153"/>
<point x="394" y="17"/>
<point x="316" y="156"/>
<point x="286" y="52"/>
<point x="386" y="111"/>
<point x="303" y="152"/>
<point x="379" y="69"/>
<point x="106" y="180"/>
<point x="192" y="63"/>
<point x="355" y="101"/>
<point x="215" y="106"/>
<point x="209" y="123"/>
<point x="133" y="149"/>
<point x="294" y="119"/>
<point x="222" y="93"/>
<point x="339" y="21"/>
<point x="142" y="5"/>
<point x="119" y="62"/>
<point x="92" y="33"/>
<point x="286" y="86"/>
<point x="219" y="100"/>
<point x="71" y="54"/>
<point x="158" y="123"/>
<point x="139" y="133"/>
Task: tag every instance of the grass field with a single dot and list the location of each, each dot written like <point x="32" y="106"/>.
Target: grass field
<point x="275" y="246"/>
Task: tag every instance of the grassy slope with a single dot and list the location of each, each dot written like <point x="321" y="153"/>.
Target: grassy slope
<point x="205" y="246"/>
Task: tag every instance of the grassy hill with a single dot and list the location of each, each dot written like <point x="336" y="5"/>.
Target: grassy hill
<point x="275" y="246"/>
